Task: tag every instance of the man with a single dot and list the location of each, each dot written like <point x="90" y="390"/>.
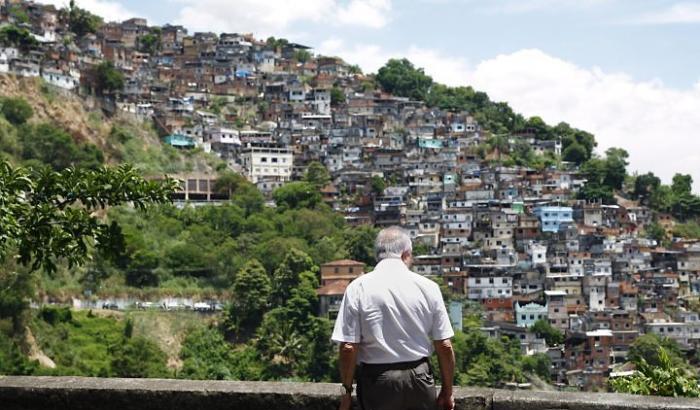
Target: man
<point x="389" y="322"/>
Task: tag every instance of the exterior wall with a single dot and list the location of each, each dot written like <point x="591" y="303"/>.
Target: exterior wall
<point x="553" y="217"/>
<point x="274" y="163"/>
<point x="82" y="393"/>
<point x="527" y="315"/>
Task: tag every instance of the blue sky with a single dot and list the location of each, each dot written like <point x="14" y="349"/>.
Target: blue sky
<point x="626" y="70"/>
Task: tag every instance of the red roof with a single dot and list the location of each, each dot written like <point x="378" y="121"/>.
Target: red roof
<point x="344" y="262"/>
<point x="335" y="288"/>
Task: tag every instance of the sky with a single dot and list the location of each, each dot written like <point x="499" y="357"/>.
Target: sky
<point x="626" y="70"/>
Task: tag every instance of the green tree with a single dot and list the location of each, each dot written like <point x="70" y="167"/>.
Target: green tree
<point x="294" y="195"/>
<point x="378" y="185"/>
<point x="107" y="78"/>
<point x="80" y="21"/>
<point x="360" y="243"/>
<point x="656" y="232"/>
<point x="17" y="110"/>
<point x="575" y="153"/>
<point x="644" y="186"/>
<point x="681" y="184"/>
<point x="302" y="56"/>
<point x="551" y="335"/>
<point x="288" y="275"/>
<point x="317" y="175"/>
<point x="21" y="38"/>
<point x="401" y="78"/>
<point x="250" y="296"/>
<point x="646" y="347"/>
<point x="615" y="167"/>
<point x="663" y="379"/>
<point x="337" y="96"/>
<point x="538" y="364"/>
<point x="150" y="42"/>
<point x="138" y="357"/>
<point x="51" y="215"/>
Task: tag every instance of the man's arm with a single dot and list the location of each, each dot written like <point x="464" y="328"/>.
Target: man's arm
<point x="347" y="355"/>
<point x="446" y="359"/>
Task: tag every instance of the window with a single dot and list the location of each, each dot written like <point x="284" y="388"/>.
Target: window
<point x="263" y="159"/>
<point x="274" y="159"/>
<point x="350" y="270"/>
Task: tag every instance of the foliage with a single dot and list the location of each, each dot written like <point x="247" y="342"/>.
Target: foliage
<point x="149" y="43"/>
<point x="646" y="348"/>
<point x="295" y="195"/>
<point x="138" y="357"/>
<point x="604" y="175"/>
<point x="687" y="230"/>
<point x="87" y="345"/>
<point x="302" y="56"/>
<point x="21" y="38"/>
<point x="107" y="78"/>
<point x="47" y="144"/>
<point x="48" y="216"/>
<point x="360" y="243"/>
<point x="676" y="199"/>
<point x="250" y="296"/>
<point x="80" y="21"/>
<point x="377" y="184"/>
<point x="656" y="232"/>
<point x="12" y="360"/>
<point x="401" y="78"/>
<point x="538" y="364"/>
<point x="551" y="335"/>
<point x="644" y="186"/>
<point x="16" y="110"/>
<point x="206" y="355"/>
<point x="337" y="96"/>
<point x="661" y="379"/>
<point x="487" y="362"/>
<point x="317" y="175"/>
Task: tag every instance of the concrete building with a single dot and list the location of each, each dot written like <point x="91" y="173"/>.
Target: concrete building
<point x="267" y="162"/>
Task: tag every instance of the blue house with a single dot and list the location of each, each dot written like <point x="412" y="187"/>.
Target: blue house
<point x="527" y="315"/>
<point x="180" y="141"/>
<point x="554" y="218"/>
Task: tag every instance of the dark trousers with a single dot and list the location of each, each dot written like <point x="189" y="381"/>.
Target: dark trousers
<point x="396" y="386"/>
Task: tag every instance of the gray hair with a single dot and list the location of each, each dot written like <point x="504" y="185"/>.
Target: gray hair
<point x="392" y="242"/>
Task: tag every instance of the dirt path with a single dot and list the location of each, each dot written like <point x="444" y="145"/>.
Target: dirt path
<point x="35" y="352"/>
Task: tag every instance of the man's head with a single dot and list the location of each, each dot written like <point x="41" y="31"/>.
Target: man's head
<point x="394" y="242"/>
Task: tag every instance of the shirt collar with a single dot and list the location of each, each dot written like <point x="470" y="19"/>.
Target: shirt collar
<point x="391" y="265"/>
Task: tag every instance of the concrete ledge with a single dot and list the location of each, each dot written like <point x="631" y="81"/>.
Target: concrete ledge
<point x="42" y="393"/>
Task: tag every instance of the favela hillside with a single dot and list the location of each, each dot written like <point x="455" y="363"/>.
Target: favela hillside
<point x="179" y="204"/>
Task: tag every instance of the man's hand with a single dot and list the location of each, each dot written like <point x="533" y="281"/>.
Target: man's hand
<point x="445" y="400"/>
<point x="345" y="402"/>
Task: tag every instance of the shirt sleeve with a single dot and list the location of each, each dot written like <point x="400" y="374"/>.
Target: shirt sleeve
<point x="442" y="328"/>
<point x="347" y="324"/>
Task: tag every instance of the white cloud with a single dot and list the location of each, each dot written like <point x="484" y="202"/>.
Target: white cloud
<point x="528" y="6"/>
<point x="108" y="10"/>
<point x="370" y="57"/>
<point x="657" y="125"/>
<point x="677" y="13"/>
<point x="273" y="17"/>
<point x="371" y="13"/>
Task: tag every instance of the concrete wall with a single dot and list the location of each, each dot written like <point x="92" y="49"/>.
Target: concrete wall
<point x="77" y="393"/>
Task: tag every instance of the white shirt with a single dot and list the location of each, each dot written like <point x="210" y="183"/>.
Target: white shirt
<point x="393" y="313"/>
